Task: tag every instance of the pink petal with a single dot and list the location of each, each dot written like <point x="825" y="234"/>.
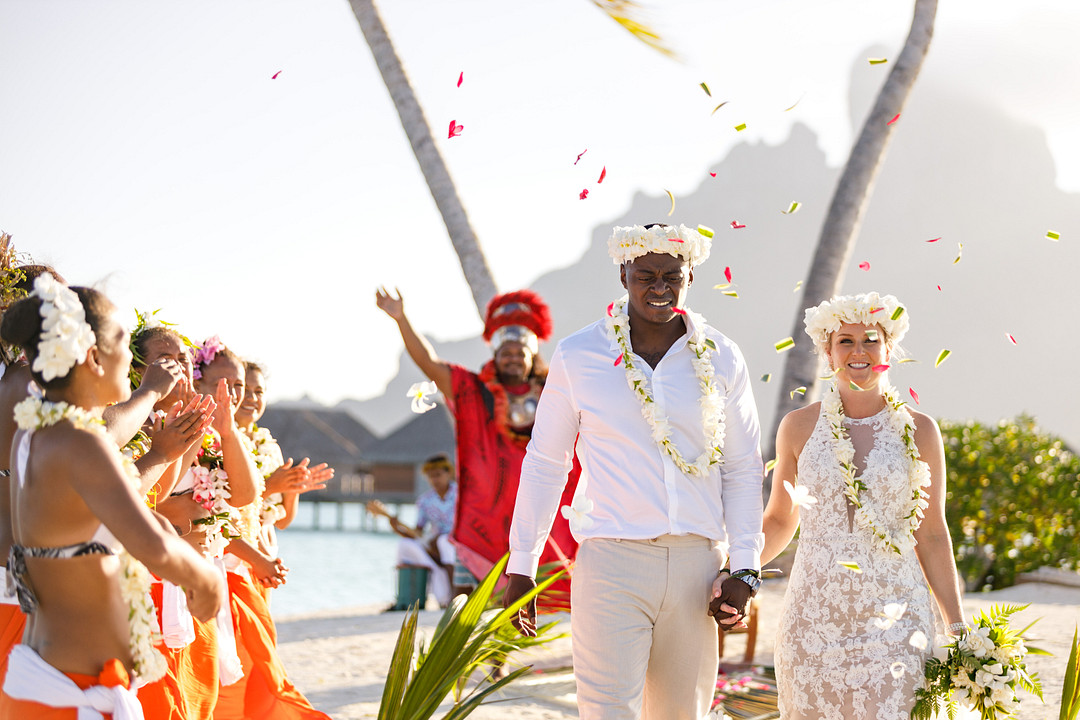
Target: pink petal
<point x="610" y="307"/>
<point x="675" y="240"/>
<point x="897" y="117"/>
<point x="934" y="240"/>
<point x="864" y="265"/>
<point x="914" y="395"/>
<point x="455" y="129"/>
<point x="584" y="194"/>
<point x="618" y="360"/>
<point x="880" y="368"/>
<point x="274" y="76"/>
<point x="678" y="311"/>
<point x="876" y="310"/>
<point x="1011" y="338"/>
<point x="939" y="288"/>
<point x="603" y="174"/>
<point x="735" y="225"/>
<point x="727" y="273"/>
<point x="580" y="154"/>
<point x="460" y="78"/>
<point x="713" y="174"/>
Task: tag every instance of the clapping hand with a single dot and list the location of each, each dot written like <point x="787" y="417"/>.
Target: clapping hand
<point x="182" y="427"/>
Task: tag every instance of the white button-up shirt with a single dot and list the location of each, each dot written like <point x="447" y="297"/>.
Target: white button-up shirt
<point x="636" y="490"/>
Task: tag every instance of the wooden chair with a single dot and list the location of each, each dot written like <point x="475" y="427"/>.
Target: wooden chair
<point x="750" y="630"/>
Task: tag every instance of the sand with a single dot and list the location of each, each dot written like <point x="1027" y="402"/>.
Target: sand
<point x="339" y="658"/>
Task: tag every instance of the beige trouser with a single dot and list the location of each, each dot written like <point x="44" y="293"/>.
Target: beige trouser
<point x="644" y="644"/>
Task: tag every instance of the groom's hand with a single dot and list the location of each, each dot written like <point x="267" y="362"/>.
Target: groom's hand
<point x="525" y="620"/>
<point x="730" y="603"/>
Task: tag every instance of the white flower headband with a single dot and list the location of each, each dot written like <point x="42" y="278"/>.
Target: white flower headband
<point x="865" y="309"/>
<point x="65" y="334"/>
<point x="626" y="244"/>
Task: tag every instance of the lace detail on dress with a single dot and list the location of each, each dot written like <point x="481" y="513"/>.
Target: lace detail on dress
<point x="834" y="660"/>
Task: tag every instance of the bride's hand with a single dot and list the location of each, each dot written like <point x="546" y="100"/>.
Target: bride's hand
<point x="730" y="602"/>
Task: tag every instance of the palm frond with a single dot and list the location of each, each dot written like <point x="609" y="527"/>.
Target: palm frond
<point x="1070" y="691"/>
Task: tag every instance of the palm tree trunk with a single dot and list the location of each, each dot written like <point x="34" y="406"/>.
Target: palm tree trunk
<point x="471" y="256"/>
<point x="837" y="241"/>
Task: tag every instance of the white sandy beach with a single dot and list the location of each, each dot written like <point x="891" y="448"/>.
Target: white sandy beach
<point x="339" y="658"/>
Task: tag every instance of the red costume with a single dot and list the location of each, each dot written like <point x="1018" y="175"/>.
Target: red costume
<point x="492" y="426"/>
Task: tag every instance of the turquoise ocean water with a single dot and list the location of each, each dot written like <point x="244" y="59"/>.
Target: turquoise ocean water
<point x="330" y="569"/>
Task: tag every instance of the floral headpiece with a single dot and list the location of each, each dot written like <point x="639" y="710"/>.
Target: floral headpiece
<point x="521" y="317"/>
<point x="203" y="356"/>
<point x="626" y="244"/>
<point x="10" y="292"/>
<point x="865" y="308"/>
<point x="65" y="334"/>
<point x="147" y="321"/>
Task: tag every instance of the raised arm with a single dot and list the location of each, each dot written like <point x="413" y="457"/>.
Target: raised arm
<point x="933" y="541"/>
<point x="238" y="461"/>
<point x="419" y="349"/>
<point x="124" y="419"/>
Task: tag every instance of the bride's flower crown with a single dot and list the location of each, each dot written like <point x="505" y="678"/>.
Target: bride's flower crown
<point x="65" y="334"/>
<point x="626" y="244"/>
<point x="865" y="308"/>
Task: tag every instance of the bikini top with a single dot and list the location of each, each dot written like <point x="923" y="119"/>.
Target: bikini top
<point x="101" y="543"/>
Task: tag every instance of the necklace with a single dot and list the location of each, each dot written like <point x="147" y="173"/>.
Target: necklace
<point x="712" y="408"/>
<point x="867" y="516"/>
<point x="513" y="418"/>
<point x="268" y="459"/>
<point x="149" y="664"/>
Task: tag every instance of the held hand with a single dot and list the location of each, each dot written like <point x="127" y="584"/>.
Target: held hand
<point x="392" y="306"/>
<point x="207" y="593"/>
<point x="730" y="603"/>
<point x="161" y="376"/>
<point x="269" y="572"/>
<point x="525" y="620"/>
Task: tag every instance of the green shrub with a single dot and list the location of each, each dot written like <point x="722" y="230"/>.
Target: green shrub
<point x="1013" y="501"/>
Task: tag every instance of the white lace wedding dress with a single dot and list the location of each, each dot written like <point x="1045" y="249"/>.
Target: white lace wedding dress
<point x="837" y="657"/>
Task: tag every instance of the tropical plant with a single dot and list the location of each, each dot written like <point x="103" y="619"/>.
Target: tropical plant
<point x="1012" y="500"/>
<point x="468" y="638"/>
<point x="1070" y="691"/>
<point x="845" y="215"/>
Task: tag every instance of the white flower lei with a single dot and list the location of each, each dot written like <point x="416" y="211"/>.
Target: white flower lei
<point x="866" y="516"/>
<point x="268" y="459"/>
<point x="211" y="490"/>
<point x="65" y="334"/>
<point x="712" y="408"/>
<point x="149" y="664"/>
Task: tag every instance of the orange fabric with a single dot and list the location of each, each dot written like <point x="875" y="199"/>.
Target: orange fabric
<point x="12" y="624"/>
<point x="114" y="673"/>
<point x="188" y="690"/>
<point x="265" y="691"/>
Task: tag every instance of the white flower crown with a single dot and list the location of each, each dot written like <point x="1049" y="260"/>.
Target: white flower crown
<point x="865" y="308"/>
<point x="629" y="243"/>
<point x="65" y="334"/>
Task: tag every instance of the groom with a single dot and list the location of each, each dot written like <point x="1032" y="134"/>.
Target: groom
<point x="652" y="396"/>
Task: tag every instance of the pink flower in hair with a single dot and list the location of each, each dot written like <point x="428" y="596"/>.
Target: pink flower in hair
<point x="203" y="356"/>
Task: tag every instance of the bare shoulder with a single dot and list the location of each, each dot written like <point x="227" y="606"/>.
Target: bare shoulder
<point x="797" y="427"/>
<point x="59" y="444"/>
<point x="927" y="433"/>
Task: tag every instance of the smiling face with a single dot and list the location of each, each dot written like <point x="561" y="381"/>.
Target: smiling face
<point x="513" y="363"/>
<point x="656" y="284"/>
<point x="855" y="350"/>
<point x="226" y="367"/>
<point x="168" y="346"/>
<point x="254" y="404"/>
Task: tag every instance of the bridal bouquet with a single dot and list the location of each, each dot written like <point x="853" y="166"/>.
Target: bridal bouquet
<point x="980" y="670"/>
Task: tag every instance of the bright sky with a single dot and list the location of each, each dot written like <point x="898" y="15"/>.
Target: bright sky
<point x="146" y="145"/>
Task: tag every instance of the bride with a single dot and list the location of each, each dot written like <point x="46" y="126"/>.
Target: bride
<point x="863" y="475"/>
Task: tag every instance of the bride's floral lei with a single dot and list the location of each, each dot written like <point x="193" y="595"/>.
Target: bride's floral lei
<point x="867" y="516"/>
<point x="712" y="407"/>
<point x="149" y="664"/>
<point x="268" y="459"/>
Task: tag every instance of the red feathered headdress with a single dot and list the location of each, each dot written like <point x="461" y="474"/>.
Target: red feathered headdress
<point x="522" y="309"/>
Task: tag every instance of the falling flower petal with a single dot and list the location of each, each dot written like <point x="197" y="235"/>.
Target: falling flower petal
<point x="706" y="89"/>
<point x="939" y="288"/>
<point x="895" y="118"/>
<point x="610" y="307"/>
<point x="793" y="208"/>
<point x="578" y="513"/>
<point x="799" y="494"/>
<point x="1051" y="235"/>
<point x="907" y="360"/>
<point x="766" y="377"/>
<point x="419" y="392"/>
<point x="274" y="76"/>
<point x="851" y="384"/>
<point x="897" y="312"/>
<point x="797" y="286"/>
<point x="789" y="109"/>
<point x="713" y="174"/>
<point x="603" y="174"/>
<point x="618" y="360"/>
<point x="740" y="127"/>
<point x="455" y="129"/>
<point x="460" y="78"/>
<point x="864" y="265"/>
<point x="584" y="194"/>
<point x="785" y="344"/>
<point x="672" y="198"/>
<point x="709" y="343"/>
<point x="942" y="357"/>
<point x="580" y="154"/>
<point x="770" y="465"/>
<point x="850" y="565"/>
<point x="678" y="311"/>
<point x="880" y="368"/>
<point x="706" y="231"/>
<point x="890" y="614"/>
<point x="934" y="240"/>
<point x="736" y="226"/>
<point x="878" y="61"/>
<point x="719" y="106"/>
<point x="801" y="390"/>
<point x="871" y="333"/>
<point x="1010" y="338"/>
<point x="897" y="669"/>
<point x="914" y="395"/>
<point x="918" y="640"/>
<point x="722" y="286"/>
<point x="959" y="252"/>
<point x="727" y="273"/>
<point x="731" y="293"/>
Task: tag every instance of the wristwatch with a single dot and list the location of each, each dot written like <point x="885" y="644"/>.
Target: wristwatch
<point x="750" y="577"/>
